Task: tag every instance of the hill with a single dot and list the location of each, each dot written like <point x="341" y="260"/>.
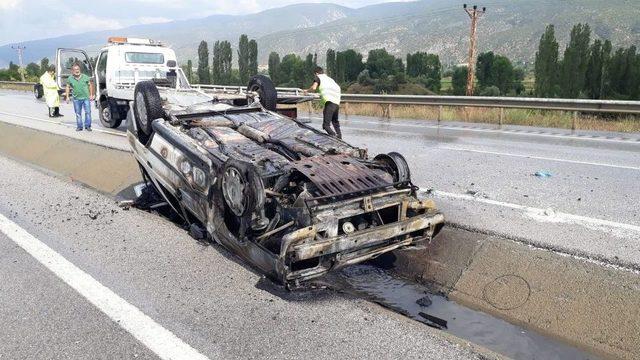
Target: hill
<point x="512" y="28"/>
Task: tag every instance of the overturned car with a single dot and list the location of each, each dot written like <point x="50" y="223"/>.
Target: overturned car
<point x="291" y="200"/>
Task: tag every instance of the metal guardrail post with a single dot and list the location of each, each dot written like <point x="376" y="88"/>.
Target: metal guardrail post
<point x="346" y="111"/>
<point x="574" y="121"/>
<point x="439" y="114"/>
<point x="501" y="117"/>
<point x="386" y="110"/>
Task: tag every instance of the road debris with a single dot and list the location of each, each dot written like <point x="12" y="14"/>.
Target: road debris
<point x="434" y="321"/>
<point x="424" y="301"/>
<point x="543" y="174"/>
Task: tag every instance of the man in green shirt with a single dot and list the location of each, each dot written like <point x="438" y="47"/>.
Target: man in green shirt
<point x="83" y="94"/>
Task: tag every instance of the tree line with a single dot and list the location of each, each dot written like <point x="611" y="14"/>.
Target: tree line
<point x="381" y="72"/>
<point x="221" y="70"/>
<point x="587" y="69"/>
<point x="32" y="71"/>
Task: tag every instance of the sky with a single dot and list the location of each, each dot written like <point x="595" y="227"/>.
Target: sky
<point x="22" y="20"/>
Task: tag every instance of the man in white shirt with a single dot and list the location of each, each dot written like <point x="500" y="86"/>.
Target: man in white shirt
<point x="330" y="94"/>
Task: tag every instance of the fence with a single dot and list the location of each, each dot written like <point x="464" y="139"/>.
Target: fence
<point x="386" y="101"/>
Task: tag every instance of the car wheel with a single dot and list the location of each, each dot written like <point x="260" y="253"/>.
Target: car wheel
<point x="242" y="188"/>
<point x="38" y="91"/>
<point x="106" y="116"/>
<point x="147" y="106"/>
<point x="396" y="165"/>
<point x="265" y="89"/>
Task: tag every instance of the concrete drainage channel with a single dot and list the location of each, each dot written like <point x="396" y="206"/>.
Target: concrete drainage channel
<point x="517" y="300"/>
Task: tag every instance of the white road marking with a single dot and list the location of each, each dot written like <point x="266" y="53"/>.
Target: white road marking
<point x="540" y="158"/>
<point x="458" y="128"/>
<point x="503" y="131"/>
<point x="61" y="123"/>
<point x="544" y="214"/>
<point x="158" y="339"/>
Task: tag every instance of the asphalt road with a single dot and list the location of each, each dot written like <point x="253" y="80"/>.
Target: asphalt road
<point x="481" y="177"/>
<point x="200" y="293"/>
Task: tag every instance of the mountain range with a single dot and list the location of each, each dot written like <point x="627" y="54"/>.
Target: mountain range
<point x="512" y="28"/>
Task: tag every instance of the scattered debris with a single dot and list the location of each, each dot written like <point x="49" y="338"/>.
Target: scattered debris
<point x="434" y="321"/>
<point x="125" y="204"/>
<point x="424" y="301"/>
<point x="477" y="194"/>
<point x="543" y="174"/>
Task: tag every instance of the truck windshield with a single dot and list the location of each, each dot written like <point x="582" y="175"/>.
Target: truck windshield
<point x="144" y="58"/>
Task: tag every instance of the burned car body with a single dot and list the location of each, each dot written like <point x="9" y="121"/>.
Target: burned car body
<point x="293" y="201"/>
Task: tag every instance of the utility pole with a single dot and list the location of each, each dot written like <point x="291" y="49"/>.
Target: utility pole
<point x="474" y="14"/>
<point x="20" y="50"/>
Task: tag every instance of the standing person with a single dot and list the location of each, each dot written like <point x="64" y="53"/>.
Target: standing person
<point x="330" y="94"/>
<point x="50" y="89"/>
<point x="83" y="94"/>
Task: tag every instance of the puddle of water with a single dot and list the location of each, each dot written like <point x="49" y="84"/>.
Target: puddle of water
<point x="513" y="341"/>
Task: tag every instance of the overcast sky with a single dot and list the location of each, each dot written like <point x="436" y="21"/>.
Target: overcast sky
<point x="22" y="20"/>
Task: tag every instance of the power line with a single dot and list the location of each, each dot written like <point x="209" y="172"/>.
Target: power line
<point x="474" y="15"/>
<point x="20" y="50"/>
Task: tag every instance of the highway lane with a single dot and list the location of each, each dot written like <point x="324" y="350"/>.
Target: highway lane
<point x="43" y="318"/>
<point x="484" y="178"/>
<point x="201" y="293"/>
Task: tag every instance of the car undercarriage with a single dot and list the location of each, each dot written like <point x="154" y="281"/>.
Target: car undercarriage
<point x="289" y="199"/>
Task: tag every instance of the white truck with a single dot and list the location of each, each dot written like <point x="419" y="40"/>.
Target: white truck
<point x="119" y="66"/>
<point x="124" y="62"/>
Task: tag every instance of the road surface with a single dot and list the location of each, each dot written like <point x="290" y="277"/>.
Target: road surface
<point x="66" y="248"/>
<point x="482" y="177"/>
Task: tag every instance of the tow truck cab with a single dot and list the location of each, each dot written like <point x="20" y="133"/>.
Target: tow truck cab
<point x="119" y="66"/>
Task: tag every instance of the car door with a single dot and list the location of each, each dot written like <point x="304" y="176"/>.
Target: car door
<point x="65" y="58"/>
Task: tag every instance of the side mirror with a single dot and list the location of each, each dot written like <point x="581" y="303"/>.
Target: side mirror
<point x="171" y="63"/>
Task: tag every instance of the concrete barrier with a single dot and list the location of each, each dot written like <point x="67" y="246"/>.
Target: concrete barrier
<point x="106" y="170"/>
<point x="589" y="305"/>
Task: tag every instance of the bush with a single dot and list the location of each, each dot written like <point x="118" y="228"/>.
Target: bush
<point x="490" y="91"/>
<point x="386" y="86"/>
<point x="365" y="79"/>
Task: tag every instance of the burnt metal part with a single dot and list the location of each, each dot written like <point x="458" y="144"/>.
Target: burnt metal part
<point x="339" y="174"/>
<point x="440" y="323"/>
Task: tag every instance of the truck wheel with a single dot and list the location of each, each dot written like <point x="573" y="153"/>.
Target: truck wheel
<point x="106" y="116"/>
<point x="38" y="91"/>
<point x="267" y="91"/>
<point x="147" y="106"/>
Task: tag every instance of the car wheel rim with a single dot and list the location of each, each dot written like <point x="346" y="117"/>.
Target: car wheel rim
<point x="142" y="109"/>
<point x="233" y="190"/>
<point x="106" y="114"/>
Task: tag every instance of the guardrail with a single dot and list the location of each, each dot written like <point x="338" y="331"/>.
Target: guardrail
<point x="17" y="85"/>
<point x="575" y="105"/>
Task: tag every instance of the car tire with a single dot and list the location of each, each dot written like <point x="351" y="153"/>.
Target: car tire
<point x="397" y="166"/>
<point x="265" y="89"/>
<point x="147" y="106"/>
<point x="38" y="91"/>
<point x="106" y="115"/>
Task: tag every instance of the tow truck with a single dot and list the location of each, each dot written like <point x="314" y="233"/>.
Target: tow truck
<point x="124" y="62"/>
